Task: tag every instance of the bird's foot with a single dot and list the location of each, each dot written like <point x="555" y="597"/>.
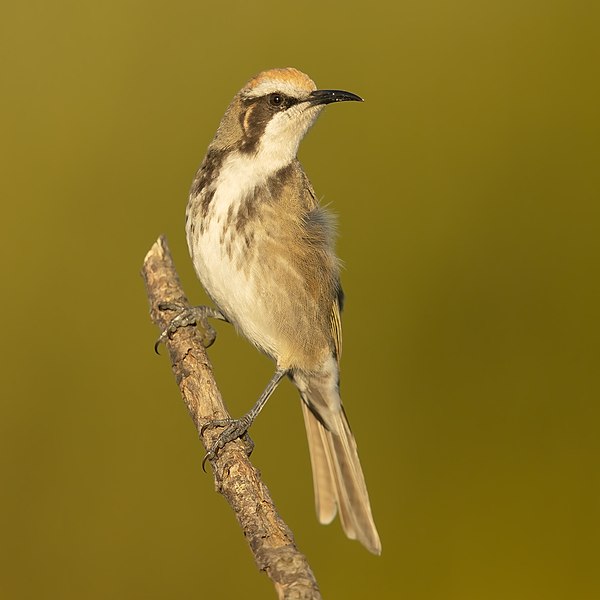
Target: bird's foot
<point x="191" y="315"/>
<point x="234" y="429"/>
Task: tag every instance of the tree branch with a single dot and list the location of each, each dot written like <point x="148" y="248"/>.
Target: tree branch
<point x="270" y="539"/>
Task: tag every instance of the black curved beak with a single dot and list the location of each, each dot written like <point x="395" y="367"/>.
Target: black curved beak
<point x="329" y="96"/>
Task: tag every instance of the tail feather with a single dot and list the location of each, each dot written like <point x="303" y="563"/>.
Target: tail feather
<point x="338" y="478"/>
<point x="321" y="461"/>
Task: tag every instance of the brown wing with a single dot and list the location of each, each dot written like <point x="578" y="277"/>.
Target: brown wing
<point x="322" y="225"/>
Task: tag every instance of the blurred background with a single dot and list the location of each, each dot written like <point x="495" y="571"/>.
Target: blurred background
<point x="467" y="187"/>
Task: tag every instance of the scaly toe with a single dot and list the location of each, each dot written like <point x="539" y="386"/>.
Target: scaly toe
<point x="185" y="317"/>
<point x="215" y="423"/>
<point x="234" y="429"/>
<point x="191" y="315"/>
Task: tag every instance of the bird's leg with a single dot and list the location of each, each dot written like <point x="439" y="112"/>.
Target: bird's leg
<point x="235" y="428"/>
<point x="192" y="315"/>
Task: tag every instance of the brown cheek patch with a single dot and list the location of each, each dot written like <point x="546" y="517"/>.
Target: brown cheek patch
<point x="257" y="115"/>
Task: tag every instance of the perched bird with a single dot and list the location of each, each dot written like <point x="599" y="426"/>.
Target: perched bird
<point x="263" y="249"/>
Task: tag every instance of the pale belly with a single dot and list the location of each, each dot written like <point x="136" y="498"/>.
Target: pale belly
<point x="235" y="281"/>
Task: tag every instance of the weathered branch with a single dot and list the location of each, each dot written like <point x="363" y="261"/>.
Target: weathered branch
<point x="270" y="539"/>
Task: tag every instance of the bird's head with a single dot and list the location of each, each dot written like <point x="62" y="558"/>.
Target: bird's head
<point x="271" y="114"/>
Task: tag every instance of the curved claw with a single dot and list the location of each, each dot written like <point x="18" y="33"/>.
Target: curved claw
<point x="249" y="444"/>
<point x="212" y="452"/>
<point x="209" y="336"/>
<point x="208" y="456"/>
<point x="165" y="306"/>
<point x="166" y="334"/>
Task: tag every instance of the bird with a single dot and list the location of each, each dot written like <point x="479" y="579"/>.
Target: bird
<point x="263" y="248"/>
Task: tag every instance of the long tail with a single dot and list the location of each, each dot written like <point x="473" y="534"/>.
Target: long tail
<point x="337" y="475"/>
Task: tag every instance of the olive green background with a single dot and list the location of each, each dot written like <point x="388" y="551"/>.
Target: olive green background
<point x="467" y="188"/>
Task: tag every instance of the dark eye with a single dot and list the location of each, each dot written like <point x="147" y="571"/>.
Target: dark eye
<point x="276" y="100"/>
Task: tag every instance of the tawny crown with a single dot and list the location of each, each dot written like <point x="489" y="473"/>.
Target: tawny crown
<point x="288" y="81"/>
